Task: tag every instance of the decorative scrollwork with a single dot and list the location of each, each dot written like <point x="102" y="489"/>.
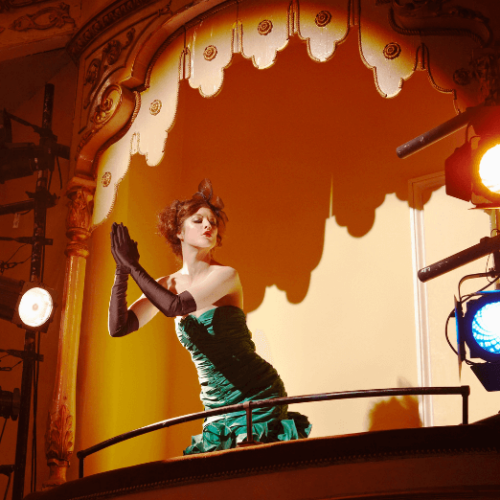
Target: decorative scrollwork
<point x="485" y="70"/>
<point x="265" y="27"/>
<point x="109" y="56"/>
<point x="155" y="107"/>
<point x="8" y="5"/>
<point x="323" y="18"/>
<point x="51" y="17"/>
<point x="59" y="438"/>
<point x="106" y="179"/>
<point x="210" y="52"/>
<point x="109" y="16"/>
<point x="433" y="18"/>
<point x="462" y="76"/>
<point x="392" y="50"/>
<point x="103" y="111"/>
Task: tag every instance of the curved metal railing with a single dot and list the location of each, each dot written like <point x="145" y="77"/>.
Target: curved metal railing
<point x="463" y="390"/>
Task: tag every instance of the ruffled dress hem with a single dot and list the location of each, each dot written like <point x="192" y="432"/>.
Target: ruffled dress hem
<point x="219" y="435"/>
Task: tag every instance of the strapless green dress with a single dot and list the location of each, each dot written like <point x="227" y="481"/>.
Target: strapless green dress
<point x="231" y="372"/>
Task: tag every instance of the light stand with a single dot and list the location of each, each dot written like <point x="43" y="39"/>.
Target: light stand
<point x="30" y="159"/>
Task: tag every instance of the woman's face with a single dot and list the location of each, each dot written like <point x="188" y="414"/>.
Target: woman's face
<point x="200" y="229"/>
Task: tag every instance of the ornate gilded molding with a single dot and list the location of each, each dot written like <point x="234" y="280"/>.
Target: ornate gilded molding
<point x="8" y="5"/>
<point x="155" y="107"/>
<point x="433" y="18"/>
<point x="80" y="206"/>
<point x="265" y="27"/>
<point x="485" y="71"/>
<point x="112" y="15"/>
<point x="59" y="436"/>
<point x="110" y="101"/>
<point x="392" y="50"/>
<point x="323" y="18"/>
<point x="210" y="52"/>
<point x="54" y="17"/>
<point x="106" y="179"/>
<point x="109" y="56"/>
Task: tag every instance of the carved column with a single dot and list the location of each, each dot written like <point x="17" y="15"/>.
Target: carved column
<point x="59" y="437"/>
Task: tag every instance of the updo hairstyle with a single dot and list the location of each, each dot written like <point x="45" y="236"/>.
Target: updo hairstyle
<point x="172" y="217"/>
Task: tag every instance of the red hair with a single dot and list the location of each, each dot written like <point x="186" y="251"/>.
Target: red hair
<point x="172" y="217"/>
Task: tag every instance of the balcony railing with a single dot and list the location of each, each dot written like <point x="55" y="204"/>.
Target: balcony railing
<point x="464" y="391"/>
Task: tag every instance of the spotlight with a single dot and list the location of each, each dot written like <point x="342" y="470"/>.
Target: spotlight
<point x="486" y="169"/>
<point x="27" y="305"/>
<point x="479" y="328"/>
<point x="474" y="174"/>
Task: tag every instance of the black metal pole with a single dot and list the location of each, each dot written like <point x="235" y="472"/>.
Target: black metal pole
<point x="40" y="214"/>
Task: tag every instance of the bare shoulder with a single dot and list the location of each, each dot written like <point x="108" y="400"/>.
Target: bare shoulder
<point x="172" y="281"/>
<point x="225" y="272"/>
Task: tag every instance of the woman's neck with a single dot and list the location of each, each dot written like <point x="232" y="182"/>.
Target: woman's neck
<point x="195" y="262"/>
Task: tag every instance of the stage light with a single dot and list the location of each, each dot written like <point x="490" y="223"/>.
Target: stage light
<point x="27" y="305"/>
<point x="474" y="174"/>
<point x="479" y="328"/>
<point x="486" y="171"/>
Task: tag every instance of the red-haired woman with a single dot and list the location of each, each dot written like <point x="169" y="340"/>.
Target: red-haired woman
<point x="206" y="298"/>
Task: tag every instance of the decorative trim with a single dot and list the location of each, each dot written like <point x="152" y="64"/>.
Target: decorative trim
<point x="7" y="5"/>
<point x="462" y="76"/>
<point x="59" y="438"/>
<point x="106" y="179"/>
<point x="392" y="50"/>
<point x="434" y="31"/>
<point x="113" y="14"/>
<point x="210" y="52"/>
<point x="485" y="69"/>
<point x="155" y="107"/>
<point x="57" y="18"/>
<point x="417" y="188"/>
<point x="265" y="27"/>
<point x="109" y="56"/>
<point x="323" y="18"/>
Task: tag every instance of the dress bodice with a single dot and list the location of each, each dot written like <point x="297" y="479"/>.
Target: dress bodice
<point x="221" y="346"/>
<point x="231" y="372"/>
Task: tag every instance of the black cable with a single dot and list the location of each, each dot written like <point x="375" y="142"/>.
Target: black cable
<point x="10" y="368"/>
<point x="7" y="488"/>
<point x="452" y="313"/>
<point x="3" y="429"/>
<point x="469" y="296"/>
<point x="59" y="169"/>
<point x="4" y="264"/>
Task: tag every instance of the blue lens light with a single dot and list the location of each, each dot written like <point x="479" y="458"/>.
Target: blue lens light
<point x="486" y="327"/>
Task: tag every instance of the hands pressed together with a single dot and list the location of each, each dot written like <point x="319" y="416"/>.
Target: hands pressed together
<point x="123" y="248"/>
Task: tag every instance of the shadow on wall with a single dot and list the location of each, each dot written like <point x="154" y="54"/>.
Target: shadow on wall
<point x="291" y="145"/>
<point x="395" y="413"/>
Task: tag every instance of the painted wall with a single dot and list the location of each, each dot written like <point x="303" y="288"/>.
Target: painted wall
<point x="303" y="155"/>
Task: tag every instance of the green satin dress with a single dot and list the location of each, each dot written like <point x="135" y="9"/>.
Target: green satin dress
<point x="231" y="372"/>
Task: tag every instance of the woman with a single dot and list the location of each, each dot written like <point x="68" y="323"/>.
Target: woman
<point x="207" y="299"/>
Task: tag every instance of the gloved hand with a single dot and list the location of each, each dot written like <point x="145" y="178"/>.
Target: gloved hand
<point x="123" y="249"/>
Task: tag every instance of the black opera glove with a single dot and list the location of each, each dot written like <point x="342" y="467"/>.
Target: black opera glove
<point x="170" y="304"/>
<point x="123" y="249"/>
<point x="121" y="321"/>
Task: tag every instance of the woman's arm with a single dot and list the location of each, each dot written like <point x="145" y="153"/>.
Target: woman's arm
<point x="218" y="283"/>
<point x="121" y="321"/>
